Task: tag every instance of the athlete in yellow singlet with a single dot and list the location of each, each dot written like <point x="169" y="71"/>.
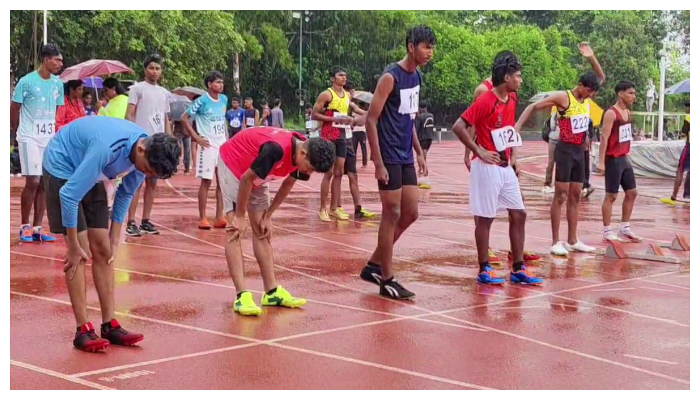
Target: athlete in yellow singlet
<point x="574" y="112"/>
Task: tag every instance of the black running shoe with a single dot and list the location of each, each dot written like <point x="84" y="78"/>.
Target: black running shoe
<point x="148" y="228"/>
<point x="394" y="290"/>
<point x="132" y="229"/>
<point x="87" y="340"/>
<point x="115" y="334"/>
<point x="371" y="274"/>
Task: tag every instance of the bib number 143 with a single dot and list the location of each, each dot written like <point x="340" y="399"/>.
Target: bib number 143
<point x="505" y="138"/>
<point x="44" y="128"/>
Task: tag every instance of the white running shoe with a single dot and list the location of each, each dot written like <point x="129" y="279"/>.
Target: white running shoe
<point x="559" y="250"/>
<point x="629" y="236"/>
<point x="579" y="247"/>
<point x="609" y="236"/>
<point x="548" y="189"/>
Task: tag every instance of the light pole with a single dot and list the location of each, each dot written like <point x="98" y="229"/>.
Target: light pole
<point x="301" y="53"/>
<point x="46" y="24"/>
<point x="662" y="95"/>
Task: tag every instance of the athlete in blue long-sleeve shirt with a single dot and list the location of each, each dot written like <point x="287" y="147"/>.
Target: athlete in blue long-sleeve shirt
<point x="76" y="162"/>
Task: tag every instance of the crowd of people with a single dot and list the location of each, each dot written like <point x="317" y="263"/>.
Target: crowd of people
<point x="69" y="161"/>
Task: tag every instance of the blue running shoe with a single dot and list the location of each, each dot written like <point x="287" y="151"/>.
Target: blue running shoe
<point x="40" y="236"/>
<point x="25" y="234"/>
<point x="488" y="276"/>
<point x="524" y="277"/>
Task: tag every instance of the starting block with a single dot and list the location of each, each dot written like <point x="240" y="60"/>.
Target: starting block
<point x="653" y="253"/>
<point x="679" y="243"/>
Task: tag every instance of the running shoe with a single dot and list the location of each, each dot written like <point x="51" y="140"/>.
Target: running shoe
<point x="558" y="249"/>
<point x="587" y="191"/>
<point x="119" y="336"/>
<point x="25" y="234"/>
<point x="548" y="189"/>
<point x="609" y="236"/>
<point x="364" y="214"/>
<point x="87" y="340"/>
<point x="493" y="258"/>
<point x="323" y="216"/>
<point x="424" y="185"/>
<point x="626" y="235"/>
<point x="342" y="211"/>
<point x="524" y="277"/>
<point x="204" y="224"/>
<point x="338" y="215"/>
<point x="579" y="247"/>
<point x="394" y="290"/>
<point x="527" y="256"/>
<point x="220" y="224"/>
<point x="148" y="228"/>
<point x="39" y="236"/>
<point x="245" y="305"/>
<point x="132" y="229"/>
<point x="488" y="277"/>
<point x="371" y="274"/>
<point x="282" y="298"/>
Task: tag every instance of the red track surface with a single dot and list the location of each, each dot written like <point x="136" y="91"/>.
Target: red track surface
<point x="595" y="324"/>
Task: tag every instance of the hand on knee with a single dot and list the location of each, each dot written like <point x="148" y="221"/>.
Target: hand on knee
<point x="101" y="252"/>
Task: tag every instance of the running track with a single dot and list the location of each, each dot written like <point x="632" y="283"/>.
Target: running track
<point x="595" y="324"/>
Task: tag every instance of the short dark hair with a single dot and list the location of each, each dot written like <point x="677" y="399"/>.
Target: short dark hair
<point x="687" y="103"/>
<point x="321" y="154"/>
<point x="507" y="64"/>
<point x="335" y="70"/>
<point x="624" y="85"/>
<point x="249" y="99"/>
<point x="211" y="77"/>
<point x="49" y="50"/>
<point x="276" y="102"/>
<point x="153" y="58"/>
<point x="71" y="85"/>
<point x="420" y="34"/>
<point x="309" y="105"/>
<point x="263" y="102"/>
<point x="163" y="154"/>
<point x="590" y="80"/>
<point x="423" y="104"/>
<point x="236" y="99"/>
<point x="503" y="54"/>
<point x="113" y="83"/>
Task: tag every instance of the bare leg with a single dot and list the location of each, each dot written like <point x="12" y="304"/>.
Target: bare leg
<point x="607" y="208"/>
<point x="354" y="189"/>
<point x="572" y="210"/>
<point x="262" y="248"/>
<point x="482" y="231"/>
<point x="149" y="195"/>
<point x="550" y="163"/>
<point x="202" y="197"/>
<point x="39" y="205"/>
<point x="560" y="191"/>
<point x="102" y="272"/>
<point x="76" y="286"/>
<point x="325" y="187"/>
<point x="517" y="233"/>
<point x="31" y="185"/>
<point x="134" y="204"/>
<point x="686" y="186"/>
<point x="337" y="180"/>
<point x="391" y="213"/>
<point x="234" y="258"/>
<point x="628" y="204"/>
<point x="676" y="183"/>
<point x="219" y="199"/>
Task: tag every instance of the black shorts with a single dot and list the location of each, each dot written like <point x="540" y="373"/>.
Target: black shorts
<point x="619" y="172"/>
<point x="350" y="159"/>
<point x="341" y="147"/>
<point x="425" y="144"/>
<point x="399" y="176"/>
<point x="233" y="131"/>
<point x="569" y="160"/>
<point x="93" y="210"/>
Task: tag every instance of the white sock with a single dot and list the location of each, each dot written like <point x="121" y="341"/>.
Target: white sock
<point x="606" y="229"/>
<point x="36" y="229"/>
<point x="625" y="226"/>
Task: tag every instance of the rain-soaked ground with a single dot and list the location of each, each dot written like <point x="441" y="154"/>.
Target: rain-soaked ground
<point x="596" y="323"/>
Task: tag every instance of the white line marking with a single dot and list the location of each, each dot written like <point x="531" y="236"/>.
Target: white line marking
<point x="650" y="359"/>
<point x="518" y="308"/>
<point x="305" y="268"/>
<point x="613" y="289"/>
<point x="667" y="284"/>
<point x="59" y="375"/>
<point x="302" y="245"/>
<point x="657" y="289"/>
<point x="425" y="284"/>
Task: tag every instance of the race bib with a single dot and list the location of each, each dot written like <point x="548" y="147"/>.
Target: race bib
<point x="505" y="138"/>
<point x="314" y="134"/>
<point x="44" y="127"/>
<point x="250" y="121"/>
<point x="337" y="125"/>
<point x="309" y="124"/>
<point x="218" y="129"/>
<point x="235" y="123"/>
<point x="348" y="133"/>
<point x="409" y="100"/>
<point x="158" y="123"/>
<point x="625" y="133"/>
<point x="579" y="123"/>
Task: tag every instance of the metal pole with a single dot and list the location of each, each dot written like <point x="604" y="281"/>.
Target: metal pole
<point x="46" y="24"/>
<point x="301" y="51"/>
<point x="662" y="96"/>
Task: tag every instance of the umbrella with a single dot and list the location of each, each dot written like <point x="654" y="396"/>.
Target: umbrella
<point x="189" y="91"/>
<point x="365" y="97"/>
<point x="94" y="68"/>
<point x="93" y="82"/>
<point x="680" y="87"/>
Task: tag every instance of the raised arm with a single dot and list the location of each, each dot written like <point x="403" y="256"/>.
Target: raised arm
<point x="559" y="99"/>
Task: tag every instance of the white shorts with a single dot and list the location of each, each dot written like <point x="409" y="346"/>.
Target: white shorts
<point x="259" y="199"/>
<point x="31" y="157"/>
<point x="493" y="188"/>
<point x="206" y="162"/>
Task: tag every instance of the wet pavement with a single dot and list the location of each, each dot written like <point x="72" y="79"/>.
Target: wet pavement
<point x="596" y="323"/>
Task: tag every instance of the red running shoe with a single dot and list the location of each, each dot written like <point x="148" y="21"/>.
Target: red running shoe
<point x="527" y="256"/>
<point x="119" y="336"/>
<point x="87" y="340"/>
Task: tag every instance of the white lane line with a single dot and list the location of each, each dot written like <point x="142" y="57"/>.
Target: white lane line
<point x="302" y="245"/>
<point x="667" y="284"/>
<point x="656" y="360"/>
<point x="518" y="308"/>
<point x="305" y="268"/>
<point x="613" y="289"/>
<point x="59" y="375"/>
<point x="657" y="289"/>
